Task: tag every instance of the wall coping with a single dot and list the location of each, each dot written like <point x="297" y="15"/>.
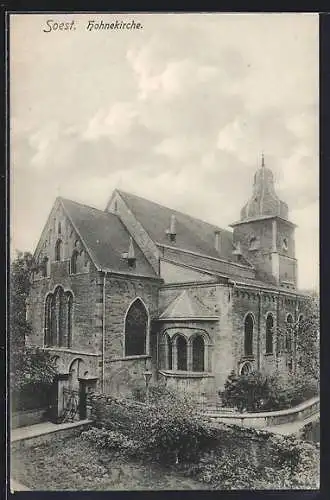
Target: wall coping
<point x="265" y="414"/>
<point x="185" y="374"/>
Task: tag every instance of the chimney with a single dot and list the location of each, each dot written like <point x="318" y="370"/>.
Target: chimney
<point x="171" y="232"/>
<point x="217" y="241"/>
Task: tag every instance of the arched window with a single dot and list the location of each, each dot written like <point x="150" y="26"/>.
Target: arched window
<point x="136" y="325"/>
<point x="60" y="315"/>
<point x="288" y="336"/>
<point x="58" y="318"/>
<point x="58" y="250"/>
<point x="74" y="257"/>
<point x="53" y="322"/>
<point x="47" y="323"/>
<point x="245" y="368"/>
<point x="198" y="351"/>
<point x="248" y="335"/>
<point x="59" y="228"/>
<point x="269" y="334"/>
<point x="181" y="345"/>
<point x="69" y="308"/>
<point x="169" y="353"/>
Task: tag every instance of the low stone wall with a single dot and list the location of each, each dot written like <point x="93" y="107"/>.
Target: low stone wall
<point x="271" y="418"/>
<point x="28" y="417"/>
<point x="55" y="433"/>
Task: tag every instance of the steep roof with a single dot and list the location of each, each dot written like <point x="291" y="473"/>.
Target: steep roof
<point x="106" y="238"/>
<point x="192" y="234"/>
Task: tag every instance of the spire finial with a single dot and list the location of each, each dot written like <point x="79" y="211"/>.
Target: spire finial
<point x="262" y="159"/>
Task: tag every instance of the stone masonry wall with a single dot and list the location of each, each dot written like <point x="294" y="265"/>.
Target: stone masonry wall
<point x="124" y="373"/>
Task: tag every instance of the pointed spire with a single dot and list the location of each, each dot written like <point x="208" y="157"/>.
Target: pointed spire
<point x="262" y="159"/>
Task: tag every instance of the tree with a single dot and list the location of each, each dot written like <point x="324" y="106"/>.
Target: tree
<point x="20" y="274"/>
<point x="32" y="369"/>
<point x="307" y="333"/>
<point x="304" y="333"/>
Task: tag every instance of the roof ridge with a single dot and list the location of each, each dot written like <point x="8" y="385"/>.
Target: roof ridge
<point x="86" y="206"/>
<point x="175" y="211"/>
<point x="82" y="204"/>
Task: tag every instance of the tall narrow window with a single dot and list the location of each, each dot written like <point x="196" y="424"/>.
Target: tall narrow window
<point x="58" y="318"/>
<point x="58" y="250"/>
<point x="182" y="353"/>
<point x="59" y="228"/>
<point x="288" y="337"/>
<point x="169" y="353"/>
<point x="269" y="334"/>
<point x="248" y="335"/>
<point x="74" y="258"/>
<point x="60" y="315"/>
<point x="69" y="318"/>
<point x="53" y="322"/>
<point x="198" y="351"/>
<point x="136" y="326"/>
<point x="47" y="323"/>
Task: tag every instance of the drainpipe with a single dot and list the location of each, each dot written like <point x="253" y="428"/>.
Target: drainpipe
<point x="103" y="331"/>
<point x="258" y="339"/>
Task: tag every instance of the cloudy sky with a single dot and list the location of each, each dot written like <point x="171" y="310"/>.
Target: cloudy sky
<point x="178" y="112"/>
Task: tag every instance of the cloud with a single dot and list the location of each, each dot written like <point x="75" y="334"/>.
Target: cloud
<point x="179" y="114"/>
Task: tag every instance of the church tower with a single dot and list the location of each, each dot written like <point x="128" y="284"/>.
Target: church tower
<point x="264" y="233"/>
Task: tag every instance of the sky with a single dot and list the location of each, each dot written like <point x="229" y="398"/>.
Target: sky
<point x="178" y="112"/>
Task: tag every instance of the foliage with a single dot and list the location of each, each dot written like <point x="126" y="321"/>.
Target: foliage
<point x="169" y="427"/>
<point x="157" y="393"/>
<point x="277" y="463"/>
<point x="249" y="392"/>
<point x="256" y="392"/>
<point x="305" y="334"/>
<point x="20" y="271"/>
<point x="311" y="431"/>
<point x="32" y="372"/>
<point x="110" y="440"/>
<point x="31" y="365"/>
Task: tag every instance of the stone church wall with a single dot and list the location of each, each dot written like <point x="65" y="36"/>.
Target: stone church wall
<point x="124" y="373"/>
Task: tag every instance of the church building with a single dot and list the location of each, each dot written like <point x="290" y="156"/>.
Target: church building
<point x="141" y="290"/>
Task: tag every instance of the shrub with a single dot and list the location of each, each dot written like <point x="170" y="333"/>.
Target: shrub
<point x="170" y="428"/>
<point x="249" y="459"/>
<point x="257" y="392"/>
<point x="32" y="372"/>
<point x="176" y="431"/>
<point x="111" y="440"/>
<point x="246" y="392"/>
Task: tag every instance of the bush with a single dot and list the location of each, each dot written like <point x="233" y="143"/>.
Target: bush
<point x="111" y="440"/>
<point x="32" y="372"/>
<point x="256" y="392"/>
<point x="247" y="392"/>
<point x="170" y="428"/>
<point x="280" y="463"/>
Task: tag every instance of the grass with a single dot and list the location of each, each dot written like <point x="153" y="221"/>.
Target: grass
<point x="74" y="464"/>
